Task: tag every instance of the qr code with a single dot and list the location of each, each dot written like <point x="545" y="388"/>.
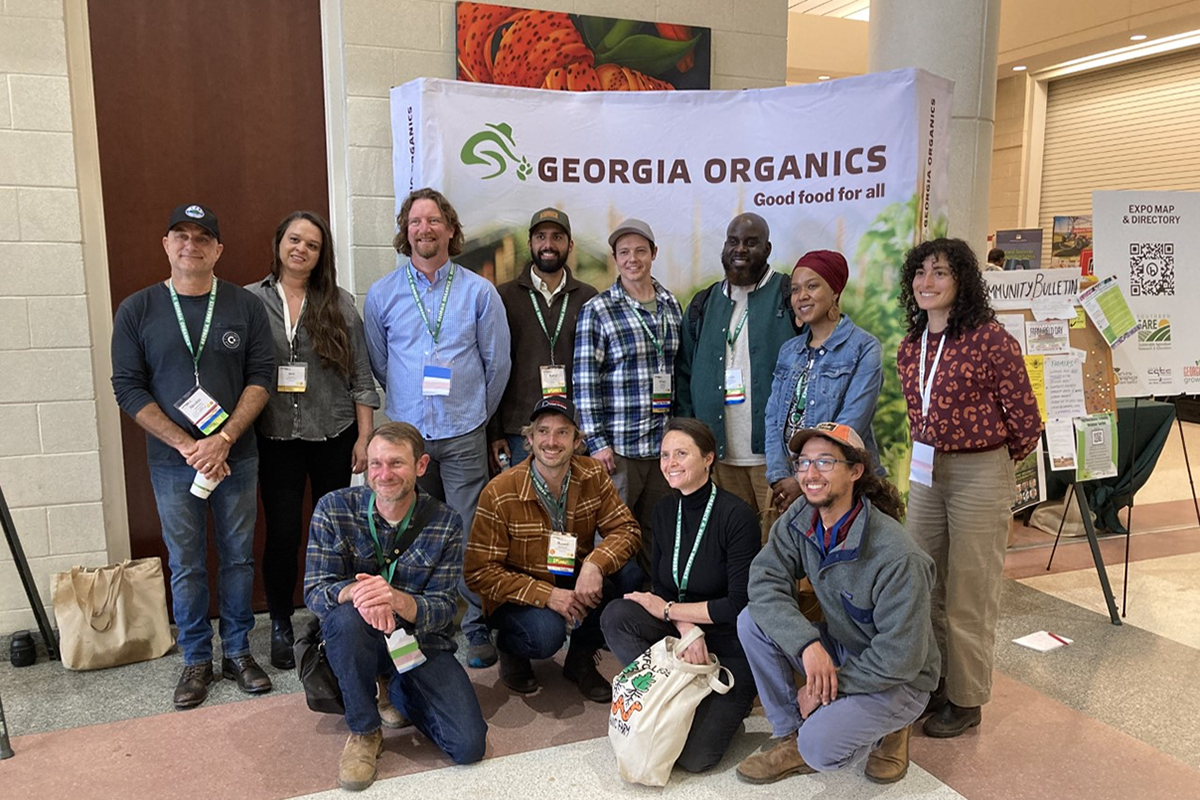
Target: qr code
<point x="1152" y="268"/>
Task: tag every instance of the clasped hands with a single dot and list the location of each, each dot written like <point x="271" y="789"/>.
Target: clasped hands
<point x="377" y="601"/>
<point x="207" y="456"/>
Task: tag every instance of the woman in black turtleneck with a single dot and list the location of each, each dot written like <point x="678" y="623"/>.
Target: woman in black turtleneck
<point x="710" y="593"/>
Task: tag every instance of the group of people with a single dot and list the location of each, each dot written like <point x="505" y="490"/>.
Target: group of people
<point x="603" y="468"/>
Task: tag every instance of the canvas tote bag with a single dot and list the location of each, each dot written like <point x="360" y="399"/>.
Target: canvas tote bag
<point x="654" y="701"/>
<point x="114" y="615"/>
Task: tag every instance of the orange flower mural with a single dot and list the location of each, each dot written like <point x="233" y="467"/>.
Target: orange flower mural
<point x="578" y="53"/>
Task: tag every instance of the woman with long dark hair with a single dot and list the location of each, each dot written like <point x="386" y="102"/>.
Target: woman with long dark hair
<point x="972" y="414"/>
<point x="704" y="539"/>
<point x="314" y="428"/>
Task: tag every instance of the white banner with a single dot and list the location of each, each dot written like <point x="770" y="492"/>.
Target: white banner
<point x="1150" y="242"/>
<point x="857" y="165"/>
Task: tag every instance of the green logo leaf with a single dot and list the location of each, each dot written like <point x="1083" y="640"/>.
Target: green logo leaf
<point x="493" y="148"/>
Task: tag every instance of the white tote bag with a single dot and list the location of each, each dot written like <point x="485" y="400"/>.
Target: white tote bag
<point x="654" y="701"/>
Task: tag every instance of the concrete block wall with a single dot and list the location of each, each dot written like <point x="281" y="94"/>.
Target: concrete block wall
<point x="385" y="47"/>
<point x="49" y="451"/>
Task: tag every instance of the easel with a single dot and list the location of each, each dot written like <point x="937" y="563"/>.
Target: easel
<point x="1186" y="462"/>
<point x="31" y="590"/>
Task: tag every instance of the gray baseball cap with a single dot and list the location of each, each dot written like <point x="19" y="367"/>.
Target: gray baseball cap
<point x="631" y="226"/>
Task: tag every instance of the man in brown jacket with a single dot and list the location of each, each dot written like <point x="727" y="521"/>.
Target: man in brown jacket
<point x="549" y="536"/>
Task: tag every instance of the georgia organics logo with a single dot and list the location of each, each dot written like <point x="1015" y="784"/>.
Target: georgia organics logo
<point x="1191" y="372"/>
<point x="1154" y="333"/>
<point x="494" y="147"/>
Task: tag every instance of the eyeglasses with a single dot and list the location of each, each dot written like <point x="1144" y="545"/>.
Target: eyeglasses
<point x="822" y="464"/>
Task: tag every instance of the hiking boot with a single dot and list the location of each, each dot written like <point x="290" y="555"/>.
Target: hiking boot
<point x="358" y="764"/>
<point x="517" y="673"/>
<point x="888" y="763"/>
<point x="779" y="762"/>
<point x="389" y="715"/>
<point x="579" y="667"/>
<point x="952" y="721"/>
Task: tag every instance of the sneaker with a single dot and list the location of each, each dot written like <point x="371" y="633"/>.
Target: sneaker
<point x="481" y="654"/>
<point x="192" y="688"/>
<point x="781" y="761"/>
<point x="358" y="765"/>
<point x="389" y="715"/>
<point x="580" y="668"/>
<point x="888" y="763"/>
<point x="517" y="673"/>
<point x="952" y="721"/>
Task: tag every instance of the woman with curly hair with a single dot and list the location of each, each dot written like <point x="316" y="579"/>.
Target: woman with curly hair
<point x="972" y="414"/>
<point x="315" y="426"/>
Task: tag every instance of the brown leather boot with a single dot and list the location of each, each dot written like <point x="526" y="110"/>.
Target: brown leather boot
<point x="357" y="766"/>
<point x="779" y="762"/>
<point x="888" y="763"/>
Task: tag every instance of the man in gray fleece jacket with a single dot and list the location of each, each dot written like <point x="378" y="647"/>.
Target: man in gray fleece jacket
<point x="871" y="666"/>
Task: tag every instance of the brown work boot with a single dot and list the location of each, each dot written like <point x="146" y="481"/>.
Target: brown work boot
<point x="192" y="688"/>
<point x="389" y="715"/>
<point x="888" y="763"/>
<point x="779" y="762"/>
<point x="357" y="766"/>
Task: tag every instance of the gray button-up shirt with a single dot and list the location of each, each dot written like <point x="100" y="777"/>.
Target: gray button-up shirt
<point x="326" y="408"/>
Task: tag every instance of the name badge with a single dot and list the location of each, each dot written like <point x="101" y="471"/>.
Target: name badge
<point x="435" y="381"/>
<point x="735" y="387"/>
<point x="660" y="393"/>
<point x="292" y="377"/>
<point x="202" y="410"/>
<point x="554" y="381"/>
<point x="922" y="464"/>
<point x="402" y="647"/>
<point x="560" y="558"/>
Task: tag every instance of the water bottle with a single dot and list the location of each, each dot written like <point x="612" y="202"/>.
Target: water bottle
<point x="504" y="462"/>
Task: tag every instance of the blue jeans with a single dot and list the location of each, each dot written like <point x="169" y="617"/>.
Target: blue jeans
<point x="516" y="448"/>
<point x="437" y="696"/>
<point x="234" y="505"/>
<point x="457" y="474"/>
<point x="833" y="736"/>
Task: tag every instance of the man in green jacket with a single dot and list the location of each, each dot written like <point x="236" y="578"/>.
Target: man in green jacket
<point x="732" y="333"/>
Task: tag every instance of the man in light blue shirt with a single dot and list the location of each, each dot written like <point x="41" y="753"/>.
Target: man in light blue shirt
<point x="439" y="345"/>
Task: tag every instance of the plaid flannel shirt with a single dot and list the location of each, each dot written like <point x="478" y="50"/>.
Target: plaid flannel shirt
<point x="340" y="546"/>
<point x="615" y="362"/>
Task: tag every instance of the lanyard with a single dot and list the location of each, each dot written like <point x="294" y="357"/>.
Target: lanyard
<point x="289" y="327"/>
<point x="387" y="568"/>
<point x="926" y="387"/>
<point x="557" y="508"/>
<point x="802" y="389"/>
<point x="187" y="337"/>
<point x="738" y="330"/>
<point x="558" y="328"/>
<point x="658" y="345"/>
<point x="682" y="583"/>
<point x="412" y="285"/>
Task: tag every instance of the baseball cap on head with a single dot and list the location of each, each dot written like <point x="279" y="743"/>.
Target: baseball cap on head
<point x="554" y="403"/>
<point x="834" y="431"/>
<point x="631" y="226"/>
<point x="197" y="215"/>
<point x="551" y="214"/>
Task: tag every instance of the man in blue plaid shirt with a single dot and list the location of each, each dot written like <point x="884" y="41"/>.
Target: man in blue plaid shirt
<point x="364" y="583"/>
<point x="625" y="345"/>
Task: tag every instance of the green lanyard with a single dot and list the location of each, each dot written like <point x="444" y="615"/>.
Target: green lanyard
<point x="387" y="567"/>
<point x="558" y="329"/>
<point x="187" y="337"/>
<point x="738" y="331"/>
<point x="802" y="391"/>
<point x="412" y="285"/>
<point x="658" y="346"/>
<point x="681" y="583"/>
<point x="557" y="508"/>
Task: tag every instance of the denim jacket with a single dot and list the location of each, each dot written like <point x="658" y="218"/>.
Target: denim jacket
<point x="844" y="388"/>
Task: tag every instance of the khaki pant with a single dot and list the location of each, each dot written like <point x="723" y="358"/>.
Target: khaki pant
<point x="962" y="523"/>
<point x="750" y="484"/>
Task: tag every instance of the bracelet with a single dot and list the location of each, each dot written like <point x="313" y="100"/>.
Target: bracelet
<point x="667" y="611"/>
<point x="225" y="436"/>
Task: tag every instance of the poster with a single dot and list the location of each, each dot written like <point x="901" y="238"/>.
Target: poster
<point x="1035" y="368"/>
<point x="1022" y="248"/>
<point x="1060" y="441"/>
<point x="513" y="46"/>
<point x="1047" y="337"/>
<point x="1150" y="243"/>
<point x="1010" y="291"/>
<point x="1105" y="303"/>
<point x="1030" y="479"/>
<point x="1063" y="387"/>
<point x="1096" y="447"/>
<point x="1069" y="238"/>
<point x="1015" y="325"/>
<point x="858" y="165"/>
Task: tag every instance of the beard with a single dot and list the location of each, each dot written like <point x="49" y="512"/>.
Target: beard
<point x="549" y="261"/>
<point x="746" y="275"/>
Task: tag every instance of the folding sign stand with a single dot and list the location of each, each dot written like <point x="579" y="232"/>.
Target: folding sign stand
<point x="1186" y="462"/>
<point x="31" y="591"/>
<point x="1089" y="527"/>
